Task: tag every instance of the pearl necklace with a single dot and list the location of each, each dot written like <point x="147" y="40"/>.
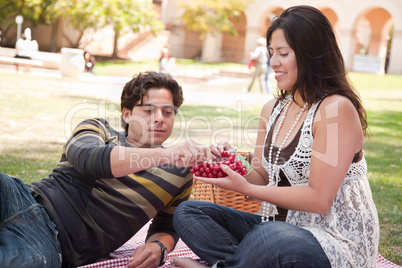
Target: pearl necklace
<point x="269" y="209"/>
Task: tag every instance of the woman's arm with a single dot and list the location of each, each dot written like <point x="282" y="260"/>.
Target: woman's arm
<point x="259" y="176"/>
<point x="338" y="136"/>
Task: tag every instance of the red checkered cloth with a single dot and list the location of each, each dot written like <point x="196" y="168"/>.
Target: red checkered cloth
<point x="119" y="258"/>
<point x="384" y="263"/>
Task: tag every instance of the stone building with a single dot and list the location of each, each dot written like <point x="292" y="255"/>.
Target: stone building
<point x="364" y="29"/>
<point x="369" y="34"/>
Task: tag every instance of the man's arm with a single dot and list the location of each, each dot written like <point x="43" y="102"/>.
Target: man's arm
<point x="127" y="160"/>
<point x="90" y="144"/>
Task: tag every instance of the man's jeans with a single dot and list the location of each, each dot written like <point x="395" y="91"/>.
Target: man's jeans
<point x="227" y="237"/>
<point x="28" y="238"/>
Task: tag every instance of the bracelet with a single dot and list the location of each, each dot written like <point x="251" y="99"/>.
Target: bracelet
<point x="163" y="252"/>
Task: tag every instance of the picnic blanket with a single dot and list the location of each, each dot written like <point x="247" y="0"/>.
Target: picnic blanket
<point x="119" y="258"/>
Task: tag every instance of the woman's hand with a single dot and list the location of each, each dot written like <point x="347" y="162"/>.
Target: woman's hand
<point x="223" y="145"/>
<point x="233" y="181"/>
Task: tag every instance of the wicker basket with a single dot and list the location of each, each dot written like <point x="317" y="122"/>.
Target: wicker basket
<point x="207" y="192"/>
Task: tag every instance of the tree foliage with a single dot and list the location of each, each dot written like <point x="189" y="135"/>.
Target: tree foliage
<point x="135" y="14"/>
<point x="10" y="9"/>
<point x="211" y="16"/>
<point x="82" y="14"/>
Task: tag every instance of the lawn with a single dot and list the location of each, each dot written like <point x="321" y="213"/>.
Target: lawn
<point x="37" y="114"/>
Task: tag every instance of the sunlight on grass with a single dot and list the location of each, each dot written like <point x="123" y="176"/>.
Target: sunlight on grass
<point x="124" y="68"/>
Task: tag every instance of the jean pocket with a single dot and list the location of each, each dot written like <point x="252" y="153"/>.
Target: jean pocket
<point x="30" y="240"/>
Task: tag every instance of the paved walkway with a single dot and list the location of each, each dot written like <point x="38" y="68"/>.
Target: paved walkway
<point x="218" y="90"/>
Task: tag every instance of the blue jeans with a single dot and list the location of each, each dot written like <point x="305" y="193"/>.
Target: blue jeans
<point x="268" y="83"/>
<point x="28" y="237"/>
<point x="231" y="238"/>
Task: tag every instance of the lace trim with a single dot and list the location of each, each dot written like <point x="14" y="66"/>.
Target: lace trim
<point x="302" y="153"/>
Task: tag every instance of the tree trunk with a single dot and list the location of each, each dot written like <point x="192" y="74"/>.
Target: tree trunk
<point x="7" y="41"/>
<point x="73" y="43"/>
<point x="53" y="36"/>
<point x="116" y="37"/>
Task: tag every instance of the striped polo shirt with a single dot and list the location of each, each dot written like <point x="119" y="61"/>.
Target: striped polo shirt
<point x="96" y="213"/>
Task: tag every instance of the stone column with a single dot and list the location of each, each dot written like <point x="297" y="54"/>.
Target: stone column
<point x="395" y="61"/>
<point x="211" y="48"/>
<point x="347" y="43"/>
<point x="378" y="47"/>
<point x="177" y="40"/>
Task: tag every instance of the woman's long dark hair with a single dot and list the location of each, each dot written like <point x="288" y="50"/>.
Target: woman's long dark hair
<point x="321" y="69"/>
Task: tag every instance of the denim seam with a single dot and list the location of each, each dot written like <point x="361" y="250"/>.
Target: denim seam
<point x="217" y="225"/>
<point x="228" y="215"/>
<point x="16" y="217"/>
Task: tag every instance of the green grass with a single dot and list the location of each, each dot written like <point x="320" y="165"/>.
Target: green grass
<point x="382" y="97"/>
<point x="38" y="113"/>
<point x="124" y="68"/>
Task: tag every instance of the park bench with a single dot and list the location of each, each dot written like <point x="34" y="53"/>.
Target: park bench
<point x="19" y="61"/>
<point x="48" y="60"/>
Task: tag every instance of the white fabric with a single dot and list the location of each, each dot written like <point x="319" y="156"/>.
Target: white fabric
<point x="349" y="232"/>
<point x="26" y="48"/>
<point x="261" y="55"/>
<point x="168" y="65"/>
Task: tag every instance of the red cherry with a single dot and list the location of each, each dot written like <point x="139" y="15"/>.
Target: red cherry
<point x="214" y="170"/>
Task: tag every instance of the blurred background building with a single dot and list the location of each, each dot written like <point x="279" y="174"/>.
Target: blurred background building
<point x="369" y="34"/>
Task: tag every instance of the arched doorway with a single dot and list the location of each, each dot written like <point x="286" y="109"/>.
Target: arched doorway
<point x="269" y="16"/>
<point x="373" y="31"/>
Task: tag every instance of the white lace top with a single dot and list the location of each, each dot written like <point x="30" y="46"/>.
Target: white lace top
<point x="349" y="232"/>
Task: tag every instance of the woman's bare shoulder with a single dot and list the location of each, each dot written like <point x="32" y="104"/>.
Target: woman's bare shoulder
<point x="268" y="107"/>
<point x="336" y="105"/>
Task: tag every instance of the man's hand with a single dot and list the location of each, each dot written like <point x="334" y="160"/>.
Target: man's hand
<point x="146" y="256"/>
<point x="188" y="153"/>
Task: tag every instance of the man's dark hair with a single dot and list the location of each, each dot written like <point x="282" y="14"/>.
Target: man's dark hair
<point x="135" y="90"/>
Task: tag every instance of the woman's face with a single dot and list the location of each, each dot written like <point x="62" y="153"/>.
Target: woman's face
<point x="283" y="61"/>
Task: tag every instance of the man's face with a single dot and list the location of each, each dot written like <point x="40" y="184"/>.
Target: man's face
<point x="151" y="123"/>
